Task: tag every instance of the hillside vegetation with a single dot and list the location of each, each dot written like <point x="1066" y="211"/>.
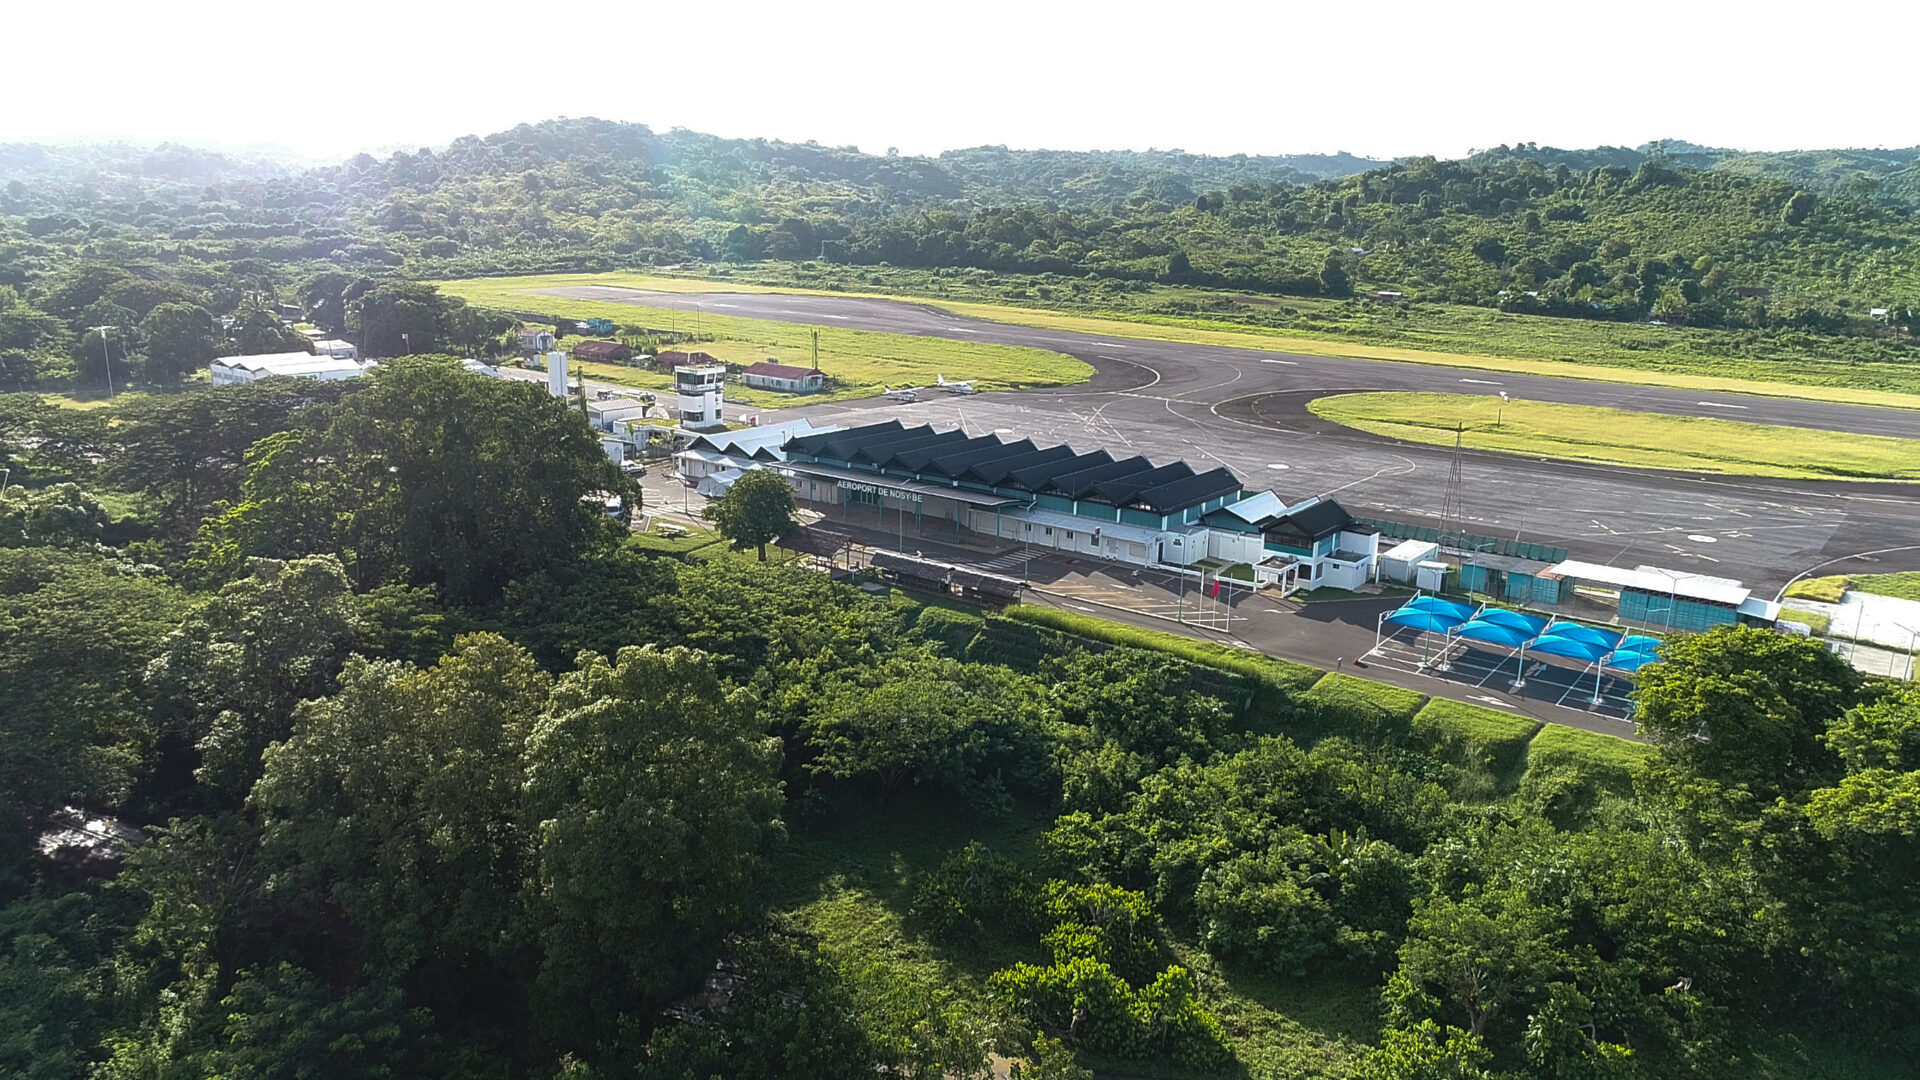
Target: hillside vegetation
<point x="1780" y="259"/>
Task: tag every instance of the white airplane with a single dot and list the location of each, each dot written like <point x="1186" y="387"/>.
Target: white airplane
<point x="903" y="395"/>
<point x="954" y="387"/>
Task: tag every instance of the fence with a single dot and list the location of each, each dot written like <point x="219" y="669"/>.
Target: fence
<point x="1493" y="545"/>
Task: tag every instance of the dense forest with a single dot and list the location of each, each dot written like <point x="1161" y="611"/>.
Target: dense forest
<point x="1815" y="243"/>
<point x="344" y="736"/>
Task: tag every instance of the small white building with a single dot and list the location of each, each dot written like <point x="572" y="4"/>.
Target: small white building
<point x="299" y="365"/>
<point x="609" y="414"/>
<point x="336" y="348"/>
<point x="782" y="378"/>
<point x="481" y="368"/>
<point x="702" y="395"/>
<point x="1309" y="544"/>
<point x="1400" y="564"/>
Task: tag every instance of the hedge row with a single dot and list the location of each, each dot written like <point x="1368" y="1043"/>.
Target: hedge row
<point x="1267" y="670"/>
<point x="1503" y="736"/>
<point x="1608" y="760"/>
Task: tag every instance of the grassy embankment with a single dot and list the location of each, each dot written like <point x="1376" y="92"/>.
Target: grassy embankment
<point x="1624" y="437"/>
<point x="861" y="362"/>
<point x="1448" y="335"/>
<point x="1903" y="586"/>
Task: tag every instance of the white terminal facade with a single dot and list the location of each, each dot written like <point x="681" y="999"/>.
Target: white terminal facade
<point x="976" y="489"/>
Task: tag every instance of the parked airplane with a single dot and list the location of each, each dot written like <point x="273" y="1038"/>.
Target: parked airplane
<point x="954" y="387"/>
<point x="902" y="395"/>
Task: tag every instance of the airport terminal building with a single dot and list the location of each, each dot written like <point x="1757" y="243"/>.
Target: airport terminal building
<point x="981" y="490"/>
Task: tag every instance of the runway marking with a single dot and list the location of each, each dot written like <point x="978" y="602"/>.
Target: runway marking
<point x="723" y="305"/>
<point x="1110" y="345"/>
<point x="960" y="329"/>
<point x="1719" y="405"/>
<point x="1703" y="538"/>
<point x="1484" y="382"/>
<point x="1269" y="360"/>
<point x="824" y="315"/>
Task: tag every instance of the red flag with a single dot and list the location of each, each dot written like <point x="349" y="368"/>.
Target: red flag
<point x="1216" y="588"/>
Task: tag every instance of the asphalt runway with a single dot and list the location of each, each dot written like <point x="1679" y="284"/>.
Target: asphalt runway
<point x="1245" y="409"/>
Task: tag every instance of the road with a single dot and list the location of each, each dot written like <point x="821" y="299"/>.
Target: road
<point x="1245" y="409"/>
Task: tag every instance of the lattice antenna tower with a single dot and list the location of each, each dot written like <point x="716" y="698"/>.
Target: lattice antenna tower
<point x="1452" y="514"/>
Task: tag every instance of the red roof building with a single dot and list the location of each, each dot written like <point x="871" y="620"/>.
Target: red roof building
<point x="603" y="352"/>
<point x="768" y="375"/>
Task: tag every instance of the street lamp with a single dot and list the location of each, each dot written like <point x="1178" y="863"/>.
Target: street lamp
<point x="407" y="340"/>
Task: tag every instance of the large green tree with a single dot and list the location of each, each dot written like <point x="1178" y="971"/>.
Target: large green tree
<point x="757" y="509"/>
<point x="426" y="476"/>
<point x="653" y="793"/>
<point x="181" y="339"/>
<point x="398" y="801"/>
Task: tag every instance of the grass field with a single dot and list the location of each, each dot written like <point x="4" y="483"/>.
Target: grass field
<point x="1453" y="336"/>
<point x="1813" y="620"/>
<point x="861" y="362"/>
<point x="1624" y="437"/>
<point x="1903" y="586"/>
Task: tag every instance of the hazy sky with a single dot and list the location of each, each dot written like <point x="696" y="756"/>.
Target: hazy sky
<point x="1381" y="78"/>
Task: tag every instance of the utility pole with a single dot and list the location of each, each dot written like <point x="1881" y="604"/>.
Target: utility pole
<point x="106" y="356"/>
<point x="816" y="352"/>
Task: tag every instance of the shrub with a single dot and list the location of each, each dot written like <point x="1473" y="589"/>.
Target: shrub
<point x="1284" y="674"/>
<point x="953" y="630"/>
<point x="1353" y="706"/>
<point x="1502" y="737"/>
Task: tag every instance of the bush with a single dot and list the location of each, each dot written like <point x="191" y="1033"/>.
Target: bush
<point x="1502" y="737"/>
<point x="953" y="630"/>
<point x="1609" y="755"/>
<point x="1284" y="674"/>
<point x="1347" y="705"/>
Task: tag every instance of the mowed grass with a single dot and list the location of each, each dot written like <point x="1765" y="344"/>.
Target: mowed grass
<point x="1448" y="335"/>
<point x="860" y="362"/>
<point x="1624" y="437"/>
<point x="1905" y="586"/>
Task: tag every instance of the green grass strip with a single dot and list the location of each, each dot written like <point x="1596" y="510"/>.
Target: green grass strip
<point x="1624" y="437"/>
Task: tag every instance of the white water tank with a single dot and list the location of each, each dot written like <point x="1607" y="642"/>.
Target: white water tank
<point x="557" y="374"/>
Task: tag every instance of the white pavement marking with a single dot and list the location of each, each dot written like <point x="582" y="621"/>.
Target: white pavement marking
<point x="962" y="329"/>
<point x="1270" y="360"/>
<point x="1484" y="382"/>
<point x="1719" y="405"/>
<point x="1110" y="345"/>
<point x="1277" y="465"/>
<point x="824" y="315"/>
<point x="716" y="304"/>
<point x="1703" y="538"/>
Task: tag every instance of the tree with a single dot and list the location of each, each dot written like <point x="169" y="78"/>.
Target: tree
<point x="1490" y="249"/>
<point x="1798" y="208"/>
<point x="1744" y="705"/>
<point x="398" y="801"/>
<point x="64" y="515"/>
<point x="1427" y="1052"/>
<point x="257" y="330"/>
<point x="1484" y="952"/>
<point x="187" y="451"/>
<point x="226" y="682"/>
<point x="969" y="727"/>
<point x="181" y="339"/>
<point x="652" y="793"/>
<point x="758" y="508"/>
<point x="75" y="630"/>
<point x="1334" y="280"/>
<point x="427" y="476"/>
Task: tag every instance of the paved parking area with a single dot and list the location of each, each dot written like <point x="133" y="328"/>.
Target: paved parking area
<point x="1495" y="672"/>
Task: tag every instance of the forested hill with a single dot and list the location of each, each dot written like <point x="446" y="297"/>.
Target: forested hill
<point x="1685" y="234"/>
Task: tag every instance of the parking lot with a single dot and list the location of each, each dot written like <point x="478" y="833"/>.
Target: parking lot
<point x="1495" y="672"/>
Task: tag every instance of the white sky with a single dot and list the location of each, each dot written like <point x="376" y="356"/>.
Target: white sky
<point x="1380" y="78"/>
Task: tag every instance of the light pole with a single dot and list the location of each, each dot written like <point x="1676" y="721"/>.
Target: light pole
<point x="106" y="357"/>
<point x="407" y="340"/>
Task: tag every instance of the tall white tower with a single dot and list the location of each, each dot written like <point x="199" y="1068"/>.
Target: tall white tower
<point x="699" y="388"/>
<point x="557" y="374"/>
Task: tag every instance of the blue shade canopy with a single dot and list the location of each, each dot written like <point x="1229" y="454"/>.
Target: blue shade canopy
<point x="1436" y="621"/>
<point x="1606" y="639"/>
<point x="1561" y="645"/>
<point x="1638" y="643"/>
<point x="1493" y="633"/>
<point x="1631" y="661"/>
<point x="1461" y="612"/>
<point x="1530" y="625"/>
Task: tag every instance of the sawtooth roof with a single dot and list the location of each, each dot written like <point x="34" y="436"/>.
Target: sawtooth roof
<point x="1096" y="476"/>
